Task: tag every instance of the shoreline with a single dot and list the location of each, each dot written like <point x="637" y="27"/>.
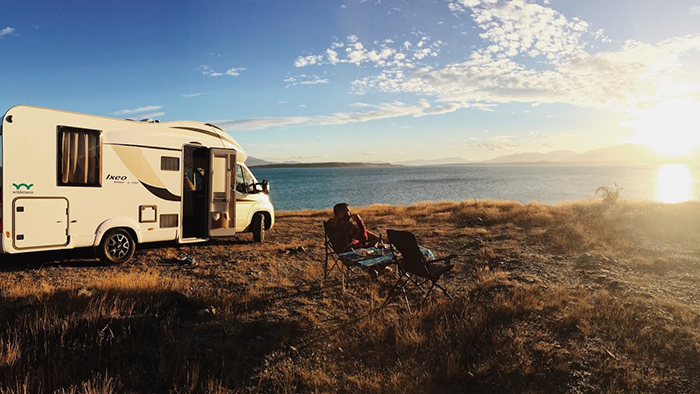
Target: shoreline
<point x="591" y="200"/>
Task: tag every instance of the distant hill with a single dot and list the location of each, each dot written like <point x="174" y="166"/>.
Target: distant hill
<point x="612" y="155"/>
<point x="620" y="154"/>
<point x="555" y="156"/>
<point x="254" y="162"/>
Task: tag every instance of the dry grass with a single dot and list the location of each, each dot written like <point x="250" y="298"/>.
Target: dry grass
<point x="579" y="297"/>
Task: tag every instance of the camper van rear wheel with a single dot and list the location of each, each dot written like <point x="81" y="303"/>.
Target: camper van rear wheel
<point x="117" y="247"/>
<point x="258" y="227"/>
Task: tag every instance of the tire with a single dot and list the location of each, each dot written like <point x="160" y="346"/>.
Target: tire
<point x="258" y="227"/>
<point x="117" y="247"/>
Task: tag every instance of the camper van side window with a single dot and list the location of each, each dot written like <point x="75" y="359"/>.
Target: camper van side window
<point x="169" y="163"/>
<point x="79" y="157"/>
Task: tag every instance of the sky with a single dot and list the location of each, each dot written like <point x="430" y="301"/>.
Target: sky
<point x="370" y="80"/>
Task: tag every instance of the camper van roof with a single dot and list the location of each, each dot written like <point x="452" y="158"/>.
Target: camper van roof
<point x="210" y="129"/>
<point x="206" y="128"/>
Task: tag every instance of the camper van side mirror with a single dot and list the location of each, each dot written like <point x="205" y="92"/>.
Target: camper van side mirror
<point x="266" y="186"/>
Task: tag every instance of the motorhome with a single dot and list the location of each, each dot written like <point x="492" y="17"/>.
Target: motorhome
<point x="72" y="180"/>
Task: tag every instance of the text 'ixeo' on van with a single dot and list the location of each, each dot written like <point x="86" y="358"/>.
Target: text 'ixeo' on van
<point x="72" y="180"/>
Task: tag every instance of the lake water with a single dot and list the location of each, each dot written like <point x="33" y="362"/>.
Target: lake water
<point x="321" y="188"/>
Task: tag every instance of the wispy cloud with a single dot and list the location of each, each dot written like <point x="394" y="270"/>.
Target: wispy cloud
<point x="152" y="115"/>
<point x="190" y="95"/>
<point x="6" y="31"/>
<point x="565" y="70"/>
<point x="233" y="72"/>
<point x="138" y="110"/>
<point x="696" y="9"/>
<point x="303" y="79"/>
<point x="495" y="146"/>
<point x="381" y="54"/>
<point x="380" y="111"/>
<point x="296" y="158"/>
<point x="495" y="143"/>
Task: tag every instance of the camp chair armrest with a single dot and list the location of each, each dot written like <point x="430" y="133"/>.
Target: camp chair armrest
<point x="447" y="258"/>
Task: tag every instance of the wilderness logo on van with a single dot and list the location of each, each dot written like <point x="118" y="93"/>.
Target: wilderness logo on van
<point x="18" y="188"/>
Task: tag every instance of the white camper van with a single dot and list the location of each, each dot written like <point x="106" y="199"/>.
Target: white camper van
<point x="72" y="180"/>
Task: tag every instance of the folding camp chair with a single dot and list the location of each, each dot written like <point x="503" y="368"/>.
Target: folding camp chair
<point x="415" y="267"/>
<point x="336" y="242"/>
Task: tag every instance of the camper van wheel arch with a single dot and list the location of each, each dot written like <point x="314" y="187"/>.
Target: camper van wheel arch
<point x="258" y="227"/>
<point x="117" y="246"/>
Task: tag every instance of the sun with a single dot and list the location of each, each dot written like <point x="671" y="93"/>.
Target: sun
<point x="672" y="128"/>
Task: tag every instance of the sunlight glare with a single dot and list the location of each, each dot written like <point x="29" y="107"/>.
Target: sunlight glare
<point x="671" y="128"/>
<point x="674" y="183"/>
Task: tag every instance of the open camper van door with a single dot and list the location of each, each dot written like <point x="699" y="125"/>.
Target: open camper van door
<point x="222" y="201"/>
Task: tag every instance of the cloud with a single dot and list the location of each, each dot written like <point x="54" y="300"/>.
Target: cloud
<point x="303" y="61"/>
<point x="234" y="71"/>
<point x="495" y="143"/>
<point x="380" y="54"/>
<point x="565" y="70"/>
<point x="137" y="110"/>
<point x="152" y="115"/>
<point x="303" y="80"/>
<point x="380" y="111"/>
<point x="190" y="95"/>
<point x="495" y="147"/>
<point x="292" y="158"/>
<point x="7" y="30"/>
<point x="520" y="27"/>
<point x="695" y="9"/>
<point x="600" y="35"/>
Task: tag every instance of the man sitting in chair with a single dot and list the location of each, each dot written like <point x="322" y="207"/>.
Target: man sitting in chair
<point x="358" y="236"/>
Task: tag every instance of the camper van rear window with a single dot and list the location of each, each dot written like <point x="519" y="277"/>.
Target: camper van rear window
<point x="79" y="152"/>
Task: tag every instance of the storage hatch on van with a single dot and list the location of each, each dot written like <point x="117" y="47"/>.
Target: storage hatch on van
<point x="40" y="222"/>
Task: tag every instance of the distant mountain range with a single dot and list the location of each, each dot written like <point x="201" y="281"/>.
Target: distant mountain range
<point x="614" y="155"/>
<point x="254" y="162"/>
<point x="620" y="154"/>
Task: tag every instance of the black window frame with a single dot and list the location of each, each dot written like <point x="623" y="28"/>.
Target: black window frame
<point x="172" y="159"/>
<point x="59" y="157"/>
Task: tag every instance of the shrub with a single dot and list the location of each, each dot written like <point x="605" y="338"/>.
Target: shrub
<point x="609" y="195"/>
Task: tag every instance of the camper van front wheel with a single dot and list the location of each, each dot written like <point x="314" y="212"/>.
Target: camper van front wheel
<point x="258" y="227"/>
<point x="117" y="246"/>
